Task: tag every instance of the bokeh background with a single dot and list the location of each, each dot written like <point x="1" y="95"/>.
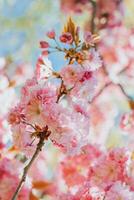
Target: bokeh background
<point x="24" y="23"/>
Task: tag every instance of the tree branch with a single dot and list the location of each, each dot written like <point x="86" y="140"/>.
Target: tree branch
<point x="94" y="9"/>
<point x="43" y="136"/>
<point x="111" y="83"/>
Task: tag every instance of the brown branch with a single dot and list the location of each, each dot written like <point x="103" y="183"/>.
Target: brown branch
<point x="43" y="136"/>
<point x="110" y="83"/>
<point x="94" y="9"/>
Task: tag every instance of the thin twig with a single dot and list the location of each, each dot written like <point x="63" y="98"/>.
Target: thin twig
<point x="124" y="92"/>
<point x="60" y="91"/>
<point x="24" y="122"/>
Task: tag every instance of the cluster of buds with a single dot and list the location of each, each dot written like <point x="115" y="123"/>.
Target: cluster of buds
<point x="74" y="48"/>
<point x="58" y="105"/>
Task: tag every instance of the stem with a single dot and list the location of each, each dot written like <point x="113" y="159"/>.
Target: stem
<point x="24" y="122"/>
<point x="43" y="136"/>
<point x="57" y="44"/>
<point x="94" y="5"/>
<point x="61" y="91"/>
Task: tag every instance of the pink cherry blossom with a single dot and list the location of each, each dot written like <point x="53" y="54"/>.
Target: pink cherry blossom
<point x="35" y="101"/>
<point x="92" y="61"/>
<point x="64" y="131"/>
<point x="75" y="168"/>
<point x="80" y="80"/>
<point x="103" y="173"/>
<point x="86" y="86"/>
<point x="16" y="115"/>
<point x="22" y="139"/>
<point x="70" y="75"/>
<point x="43" y="68"/>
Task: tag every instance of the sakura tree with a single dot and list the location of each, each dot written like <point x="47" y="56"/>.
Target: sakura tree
<point x="80" y="117"/>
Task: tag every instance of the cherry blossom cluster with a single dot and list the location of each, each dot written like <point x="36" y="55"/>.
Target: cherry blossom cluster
<point x="96" y="174"/>
<point x="12" y="76"/>
<point x="58" y="100"/>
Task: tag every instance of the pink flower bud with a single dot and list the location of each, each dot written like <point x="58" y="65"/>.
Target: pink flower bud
<point x="51" y="34"/>
<point x="66" y="38"/>
<point x="44" y="44"/>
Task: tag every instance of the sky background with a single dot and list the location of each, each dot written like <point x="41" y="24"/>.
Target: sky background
<point x="24" y="23"/>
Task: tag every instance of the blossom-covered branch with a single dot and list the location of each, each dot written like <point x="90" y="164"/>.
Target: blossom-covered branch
<point x="49" y="109"/>
<point x="43" y="135"/>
